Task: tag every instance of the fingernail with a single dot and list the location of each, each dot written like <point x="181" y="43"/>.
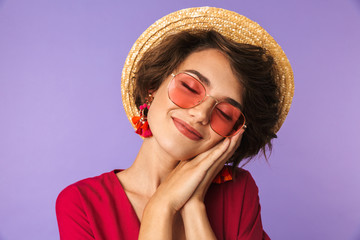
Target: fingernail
<point x="226" y="140"/>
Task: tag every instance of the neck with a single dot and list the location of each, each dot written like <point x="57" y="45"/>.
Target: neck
<point x="151" y="167"/>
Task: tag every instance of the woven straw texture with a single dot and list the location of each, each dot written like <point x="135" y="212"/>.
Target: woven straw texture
<point x="229" y="24"/>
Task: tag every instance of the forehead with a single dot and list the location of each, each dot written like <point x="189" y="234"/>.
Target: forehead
<point x="215" y="67"/>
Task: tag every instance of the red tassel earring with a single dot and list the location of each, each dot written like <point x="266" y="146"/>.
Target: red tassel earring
<point x="223" y="176"/>
<point x="141" y="123"/>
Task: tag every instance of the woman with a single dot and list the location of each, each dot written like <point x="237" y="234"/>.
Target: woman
<point x="203" y="87"/>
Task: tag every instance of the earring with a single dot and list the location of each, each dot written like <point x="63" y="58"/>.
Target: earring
<point x="223" y="176"/>
<point x="141" y="123"/>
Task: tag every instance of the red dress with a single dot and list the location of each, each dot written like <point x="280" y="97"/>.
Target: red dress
<point x="98" y="208"/>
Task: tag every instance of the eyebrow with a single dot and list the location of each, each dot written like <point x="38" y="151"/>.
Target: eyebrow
<point x="201" y="77"/>
<point x="234" y="103"/>
<point x="207" y="82"/>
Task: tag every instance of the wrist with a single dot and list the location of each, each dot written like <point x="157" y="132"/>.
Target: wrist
<point x="156" y="221"/>
<point x="193" y="206"/>
<point x="196" y="222"/>
<point x="156" y="207"/>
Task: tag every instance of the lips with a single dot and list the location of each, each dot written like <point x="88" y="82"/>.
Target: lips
<point x="187" y="130"/>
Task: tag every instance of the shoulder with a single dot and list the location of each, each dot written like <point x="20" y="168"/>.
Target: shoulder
<point x="241" y="183"/>
<point x="84" y="190"/>
<point x="238" y="196"/>
<point x="243" y="179"/>
<point x="241" y="189"/>
<point x="235" y="205"/>
<point x="249" y="192"/>
<point x="76" y="203"/>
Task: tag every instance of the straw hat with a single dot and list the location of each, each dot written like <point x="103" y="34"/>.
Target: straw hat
<point x="231" y="25"/>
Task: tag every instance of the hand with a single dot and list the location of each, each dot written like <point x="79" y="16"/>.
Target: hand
<point x="191" y="179"/>
<point x="200" y="192"/>
<point x="193" y="213"/>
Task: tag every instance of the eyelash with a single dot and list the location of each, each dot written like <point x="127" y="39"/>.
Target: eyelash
<point x="189" y="88"/>
<point x="224" y="114"/>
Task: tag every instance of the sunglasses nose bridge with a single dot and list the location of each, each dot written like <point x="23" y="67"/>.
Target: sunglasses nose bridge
<point x="203" y="110"/>
<point x="216" y="101"/>
<point x="210" y="101"/>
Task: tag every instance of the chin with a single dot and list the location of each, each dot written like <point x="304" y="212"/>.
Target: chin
<point x="177" y="149"/>
<point x="178" y="146"/>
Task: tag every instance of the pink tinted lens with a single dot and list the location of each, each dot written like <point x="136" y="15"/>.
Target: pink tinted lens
<point x="226" y="119"/>
<point x="185" y="91"/>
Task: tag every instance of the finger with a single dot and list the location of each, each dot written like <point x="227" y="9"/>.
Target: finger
<point x="238" y="138"/>
<point x="218" y="164"/>
<point x="212" y="161"/>
<point x="234" y="142"/>
<point x="209" y="157"/>
<point x="215" y="150"/>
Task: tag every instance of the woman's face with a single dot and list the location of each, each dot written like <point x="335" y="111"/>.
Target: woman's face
<point x="184" y="133"/>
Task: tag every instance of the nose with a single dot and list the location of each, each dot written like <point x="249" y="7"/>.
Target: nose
<point x="201" y="113"/>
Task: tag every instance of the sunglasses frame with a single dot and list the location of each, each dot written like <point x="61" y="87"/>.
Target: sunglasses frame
<point x="202" y="100"/>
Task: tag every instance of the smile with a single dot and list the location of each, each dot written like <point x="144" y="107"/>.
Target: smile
<point x="187" y="130"/>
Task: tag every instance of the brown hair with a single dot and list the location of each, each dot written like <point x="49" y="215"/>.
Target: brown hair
<point x="253" y="66"/>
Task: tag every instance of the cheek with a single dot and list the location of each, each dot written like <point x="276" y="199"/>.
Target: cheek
<point x="215" y="139"/>
<point x="158" y="112"/>
<point x="154" y="116"/>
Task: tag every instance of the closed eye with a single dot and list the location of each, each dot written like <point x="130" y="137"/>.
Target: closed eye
<point x="189" y="88"/>
<point x="227" y="117"/>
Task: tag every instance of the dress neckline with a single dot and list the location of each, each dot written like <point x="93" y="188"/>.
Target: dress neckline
<point x="124" y="196"/>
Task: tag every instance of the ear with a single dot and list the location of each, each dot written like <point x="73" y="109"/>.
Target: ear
<point x="153" y="93"/>
<point x="150" y="97"/>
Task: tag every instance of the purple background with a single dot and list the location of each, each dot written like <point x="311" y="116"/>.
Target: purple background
<point x="61" y="116"/>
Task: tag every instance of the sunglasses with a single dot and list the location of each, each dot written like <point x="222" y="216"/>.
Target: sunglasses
<point x="186" y="91"/>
